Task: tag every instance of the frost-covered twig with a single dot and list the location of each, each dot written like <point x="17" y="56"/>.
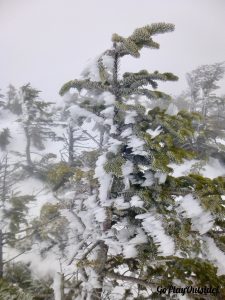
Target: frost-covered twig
<point x="75" y="254"/>
<point x="89" y="250"/>
<point x="72" y="212"/>
<point x="92" y="138"/>
<point x="5" y="262"/>
<point x="131" y="279"/>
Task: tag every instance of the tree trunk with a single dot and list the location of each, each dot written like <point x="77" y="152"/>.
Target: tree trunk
<point x="71" y="145"/>
<point x="1" y="255"/>
<point x="100" y="268"/>
<point x="4" y="184"/>
<point x="62" y="295"/>
<point x="101" y="140"/>
<point x="116" y="88"/>
<point x="28" y="138"/>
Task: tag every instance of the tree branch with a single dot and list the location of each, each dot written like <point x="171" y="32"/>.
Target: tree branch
<point x="135" y="280"/>
<point x="89" y="250"/>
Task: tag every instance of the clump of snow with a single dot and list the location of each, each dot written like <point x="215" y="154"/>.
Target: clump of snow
<point x="182" y="169"/>
<point x="115" y="248"/>
<point x="117" y="293"/>
<point x="130" y="249"/>
<point x="92" y="71"/>
<point x="103" y="178"/>
<point x="108" y="62"/>
<point x="153" y="226"/>
<point x="107" y="98"/>
<point x="127" y="168"/>
<point x="127" y="132"/>
<point x="123" y="235"/>
<point x="108" y="112"/>
<point x="161" y="177"/>
<point x="172" y="110"/>
<point x="130" y="117"/>
<point x="136" y="144"/>
<point x="92" y="281"/>
<point x="215" y="254"/>
<point x="136" y="201"/>
<point x="113" y="145"/>
<point x="155" y="132"/>
<point x="212" y="169"/>
<point x="108" y="115"/>
<point x="149" y="179"/>
<point x="113" y="129"/>
<point x="221" y="141"/>
<point x="100" y="214"/>
<point x="76" y="111"/>
<point x="120" y="204"/>
<point x="120" y="225"/>
<point x="190" y="207"/>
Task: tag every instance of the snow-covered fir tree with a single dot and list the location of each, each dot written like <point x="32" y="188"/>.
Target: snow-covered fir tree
<point x="13" y="101"/>
<point x="135" y="225"/>
<point x="36" y="120"/>
<point x="201" y="97"/>
<point x="109" y="209"/>
<point x="13" y="216"/>
<point x="4" y="138"/>
<point x="2" y="102"/>
<point x="202" y="82"/>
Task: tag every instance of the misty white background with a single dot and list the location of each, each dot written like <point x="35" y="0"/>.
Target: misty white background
<point x="48" y="42"/>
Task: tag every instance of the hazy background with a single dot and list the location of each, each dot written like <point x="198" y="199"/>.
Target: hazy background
<point x="48" y="42"/>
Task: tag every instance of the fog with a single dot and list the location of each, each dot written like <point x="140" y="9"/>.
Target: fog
<point x="48" y="42"/>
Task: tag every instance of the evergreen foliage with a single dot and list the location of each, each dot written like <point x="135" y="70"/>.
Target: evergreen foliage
<point x="36" y="120"/>
<point x="4" y="138"/>
<point x="106" y="218"/>
<point x="5" y="184"/>
<point x="20" y="275"/>
<point x="16" y="213"/>
<point x="2" y="103"/>
<point x="11" y="292"/>
<point x="142" y="214"/>
<point x="54" y="232"/>
<point x="13" y="100"/>
<point x="200" y="95"/>
<point x="59" y="174"/>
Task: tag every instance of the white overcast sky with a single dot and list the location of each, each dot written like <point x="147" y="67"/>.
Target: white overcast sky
<point x="48" y="42"/>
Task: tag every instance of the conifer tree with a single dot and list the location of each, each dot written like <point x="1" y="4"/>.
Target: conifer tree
<point x="36" y="121"/>
<point x="2" y="103"/>
<point x="17" y="232"/>
<point x="142" y="227"/>
<point x="4" y="138"/>
<point x="5" y="179"/>
<point x="12" y="292"/>
<point x="13" y="209"/>
<point x="202" y="83"/>
<point x="13" y="100"/>
<point x="73" y="139"/>
<point x="20" y="276"/>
